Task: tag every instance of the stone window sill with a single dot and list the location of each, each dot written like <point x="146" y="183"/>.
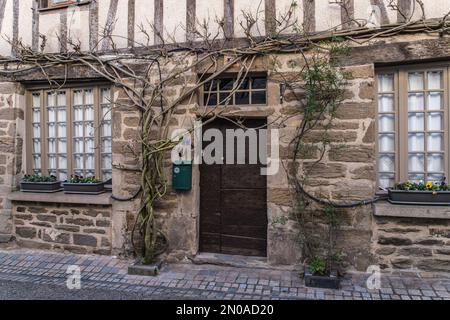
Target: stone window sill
<point x="386" y="209"/>
<point x="61" y="197"/>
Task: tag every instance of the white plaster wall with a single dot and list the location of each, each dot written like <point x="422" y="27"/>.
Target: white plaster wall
<point x="256" y="9"/>
<point x="362" y="8"/>
<point x="7" y="27"/>
<point x="210" y="13"/>
<point x="49" y="26"/>
<point x="120" y="25"/>
<point x="77" y="18"/>
<point x="174" y="12"/>
<point x="437" y="8"/>
<point x="144" y="16"/>
<point x="284" y="6"/>
<point x="328" y="15"/>
<point x="26" y="21"/>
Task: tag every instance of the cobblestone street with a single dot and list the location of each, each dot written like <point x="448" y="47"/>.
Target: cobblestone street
<point x="26" y="274"/>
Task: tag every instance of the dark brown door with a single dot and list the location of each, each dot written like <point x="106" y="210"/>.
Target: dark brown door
<point x="233" y="203"/>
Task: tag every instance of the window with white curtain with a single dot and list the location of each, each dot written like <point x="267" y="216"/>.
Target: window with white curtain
<point x="71" y="132"/>
<point x="413" y="125"/>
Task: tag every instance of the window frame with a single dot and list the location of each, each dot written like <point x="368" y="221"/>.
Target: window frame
<point x="69" y="89"/>
<point x="401" y="91"/>
<point x="202" y="91"/>
<point x="52" y="6"/>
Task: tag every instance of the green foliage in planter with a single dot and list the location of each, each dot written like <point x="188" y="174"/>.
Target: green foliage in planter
<point x="80" y="179"/>
<point x="318" y="266"/>
<point x="429" y="186"/>
<point x="38" y="178"/>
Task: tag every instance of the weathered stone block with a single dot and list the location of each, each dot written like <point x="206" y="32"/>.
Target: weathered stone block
<point x="436" y="265"/>
<point x="80" y="221"/>
<point x="318" y="136"/>
<point x="27" y="217"/>
<point x="37" y="210"/>
<point x="430" y="242"/>
<point x="394" y="241"/>
<point x="75" y="249"/>
<point x="419" y="252"/>
<point x="84" y="240"/>
<point x="401" y="263"/>
<point x="385" y="251"/>
<point x="365" y="172"/>
<point x="280" y="196"/>
<point x="352" y="154"/>
<point x="67" y="228"/>
<point x="325" y="171"/>
<point x="103" y="223"/>
<point x="367" y="91"/>
<point x="371" y="134"/>
<point x="26" y="232"/>
<point x="46" y="218"/>
<point x="352" y="110"/>
<point x="94" y="231"/>
<point x="63" y="238"/>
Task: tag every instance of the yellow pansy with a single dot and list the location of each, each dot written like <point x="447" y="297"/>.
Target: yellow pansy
<point x="429" y="185"/>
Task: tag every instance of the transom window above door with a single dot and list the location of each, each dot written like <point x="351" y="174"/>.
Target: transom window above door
<point x="49" y="4"/>
<point x="70" y="132"/>
<point x="413" y="125"/>
<point x="233" y="90"/>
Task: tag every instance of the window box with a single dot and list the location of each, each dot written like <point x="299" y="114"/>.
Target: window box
<point x="331" y="281"/>
<point x="436" y="198"/>
<point x="41" y="187"/>
<point x="84" y="188"/>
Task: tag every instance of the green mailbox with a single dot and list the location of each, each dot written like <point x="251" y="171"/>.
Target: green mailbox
<point x="182" y="175"/>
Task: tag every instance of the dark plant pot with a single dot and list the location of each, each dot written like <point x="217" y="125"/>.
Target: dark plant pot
<point x="326" y="282"/>
<point x="419" y="197"/>
<point x="41" y="187"/>
<point x="84" y="188"/>
<point x="139" y="269"/>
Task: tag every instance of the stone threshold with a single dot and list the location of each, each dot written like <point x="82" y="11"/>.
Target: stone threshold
<point x="386" y="209"/>
<point x="225" y="260"/>
<point x="61" y="197"/>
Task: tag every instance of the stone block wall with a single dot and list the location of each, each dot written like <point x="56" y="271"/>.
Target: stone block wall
<point x="76" y="228"/>
<point x="345" y="173"/>
<point x="412" y="244"/>
<point x="11" y="144"/>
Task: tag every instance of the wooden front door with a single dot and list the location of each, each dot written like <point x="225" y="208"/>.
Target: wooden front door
<point x="233" y="203"/>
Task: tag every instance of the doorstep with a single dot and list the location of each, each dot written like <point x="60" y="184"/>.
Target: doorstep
<point x="226" y="260"/>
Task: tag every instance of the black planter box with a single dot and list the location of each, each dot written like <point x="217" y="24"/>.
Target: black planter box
<point x="436" y="198"/>
<point x="41" y="187"/>
<point x="326" y="282"/>
<point x="139" y="269"/>
<point x="84" y="188"/>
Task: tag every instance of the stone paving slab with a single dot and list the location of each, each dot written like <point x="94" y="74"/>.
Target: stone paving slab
<point x="189" y="281"/>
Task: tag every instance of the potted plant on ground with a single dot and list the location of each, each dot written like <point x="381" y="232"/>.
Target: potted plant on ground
<point x="323" y="257"/>
<point x="320" y="275"/>
<point x="420" y="193"/>
<point x="81" y="185"/>
<point x="40" y="184"/>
